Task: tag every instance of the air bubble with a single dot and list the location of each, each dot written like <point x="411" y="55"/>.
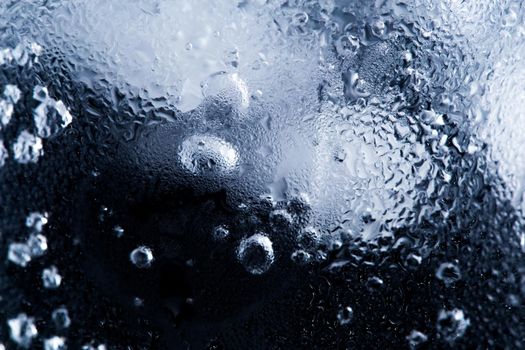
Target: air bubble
<point x="374" y="284"/>
<point x="448" y="273"/>
<point x="416" y="340"/>
<point x="301" y="257"/>
<point x="61" y="318"/>
<point x="255" y="253"/>
<point x="345" y="315"/>
<point x="452" y="325"/>
<point x="142" y="257"/>
<point x="220" y="233"/>
<point x="413" y="261"/>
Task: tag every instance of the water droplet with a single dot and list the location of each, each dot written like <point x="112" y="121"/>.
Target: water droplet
<point x="300" y="19"/>
<point x="451" y="325"/>
<point x="51" y="278"/>
<point x="448" y="273"/>
<point x="6" y="112"/>
<point x="347" y="45"/>
<point x="509" y="18"/>
<point x="345" y="315"/>
<point x="379" y="28"/>
<point x="141" y="257"/>
<point x="12" y="93"/>
<point x="22" y="330"/>
<point x="204" y="154"/>
<point x="255" y="253"/>
<point x="229" y="87"/>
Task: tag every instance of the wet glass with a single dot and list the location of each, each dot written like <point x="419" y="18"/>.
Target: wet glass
<point x="262" y="174"/>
